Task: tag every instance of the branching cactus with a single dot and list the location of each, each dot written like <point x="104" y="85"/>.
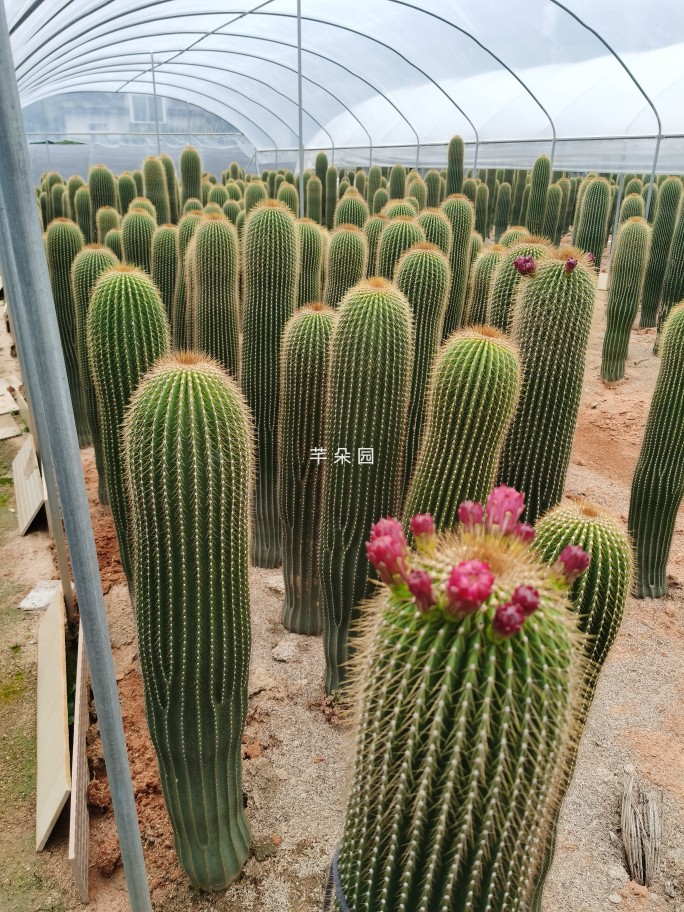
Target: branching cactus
<point x="482" y="277"/>
<point x="627" y="271"/>
<point x="519" y="262"/>
<point x="136" y="237"/>
<point x="193" y="615"/>
<point x="310" y="261"/>
<point x="437" y="228"/>
<point x="422" y="275"/>
<point x="502" y="212"/>
<point x="164" y="263"/>
<point x="539" y="185"/>
<point x="304" y="375"/>
<point x="472" y="396"/>
<point x="365" y="443"/>
<point x="126" y="332"/>
<point x="88" y="266"/>
<point x="373" y="229"/>
<point x="186" y="230"/>
<point x="102" y="187"/>
<point x="551" y="328"/>
<point x="461" y="215"/>
<point x="454" y="179"/>
<point x="590" y="234"/>
<point x="156" y="189"/>
<point x="347" y="262"/>
<point x="63" y="242"/>
<point x="271" y="260"/>
<point x="658" y="483"/>
<point x="191" y="175"/>
<point x="398" y="235"/>
<point x="351" y="210"/>
<point x="670" y="195"/>
<point x="464" y="686"/>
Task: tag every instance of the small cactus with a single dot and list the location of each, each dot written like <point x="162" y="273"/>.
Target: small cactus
<point x="373" y="229"/>
<point x="632" y="206"/>
<point x="310" y="261"/>
<point x="107" y="220"/>
<point x="396" y="208"/>
<point x="136" y="238"/>
<point x="313" y="200"/>
<point x="289" y="196"/>
<point x="437" y="228"/>
<point x="459" y="210"/>
<point x="156" y="189"/>
<point x="502" y="212"/>
<point x="102" y="187"/>
<point x="351" y="210"/>
<point x="179" y="312"/>
<point x="255" y="193"/>
<point x="482" y="277"/>
<point x="433" y="189"/>
<point x="114" y="241"/>
<point x="171" y="186"/>
<point x="127" y="191"/>
<point x="513" y="235"/>
<point x="380" y="200"/>
<point x="330" y="196"/>
<point x="481" y="210"/>
<point x="454" y="179"/>
<point x="398" y="235"/>
<point x="347" y="262"/>
<point x="191" y="175"/>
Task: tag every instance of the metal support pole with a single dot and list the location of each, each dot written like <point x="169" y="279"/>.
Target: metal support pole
<point x="370" y="157"/>
<point x="34" y="315"/>
<point x="653" y="172"/>
<point x="553" y="150"/>
<point x="299" y="105"/>
<point x="618" y="200"/>
<point x="417" y="156"/>
<point x="156" y="111"/>
<point x="477" y="144"/>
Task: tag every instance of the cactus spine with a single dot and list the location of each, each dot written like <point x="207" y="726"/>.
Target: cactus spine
<point x="310" y="262"/>
<point x="156" y="189"/>
<point x="367" y="407"/>
<point x="398" y="235"/>
<point x="658" y="483"/>
<point x="458" y="209"/>
<point x="627" y="272"/>
<point x="551" y="327"/>
<point x="191" y="175"/>
<point x="539" y="185"/>
<point x="304" y="373"/>
<point x="454" y="178"/>
<point x="351" y="210"/>
<point x="663" y="229"/>
<point x="136" y="238"/>
<point x="346" y="263"/>
<point x="482" y="277"/>
<point x="126" y="332"/>
<point x="502" y="213"/>
<point x="270" y="271"/>
<point x="194" y="626"/>
<point x="507" y="281"/>
<point x="590" y="234"/>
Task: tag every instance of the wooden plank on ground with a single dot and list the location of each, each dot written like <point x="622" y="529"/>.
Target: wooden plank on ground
<point x="28" y="485"/>
<point x="53" y="778"/>
<point x="8" y="427"/>
<point x="22" y="405"/>
<point x="79" y="821"/>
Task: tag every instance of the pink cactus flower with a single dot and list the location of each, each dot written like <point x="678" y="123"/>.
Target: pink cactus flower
<point x="388" y="526"/>
<point x="504" y="507"/>
<point x="572" y="562"/>
<point x="420" y="587"/>
<point x="591" y="258"/>
<point x="422" y="525"/>
<point x="570" y="264"/>
<point x="525" y="265"/>
<point x="508" y="620"/>
<point x="471" y="514"/>
<point x="526" y="598"/>
<point x="388" y="555"/>
<point x="469" y="585"/>
<point x="525" y="532"/>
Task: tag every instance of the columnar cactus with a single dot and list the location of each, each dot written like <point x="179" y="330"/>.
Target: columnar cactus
<point x="214" y="268"/>
<point x="552" y="213"/>
<point x="255" y="193"/>
<point x="164" y="264"/>
<point x="126" y="332"/>
<point x="422" y="275"/>
<point x="492" y="187"/>
<point x="58" y="196"/>
<point x="525" y="202"/>
<point x="481" y="209"/>
<point x="632" y="207"/>
<point x="218" y="195"/>
<point x="470" y="189"/>
<point x="398" y="235"/>
<point x="516" y="208"/>
<point x="127" y="192"/>
<point x="192" y="205"/>
<point x="186" y="230"/>
<point x="84" y="214"/>
<point x="233" y="190"/>
<point x="137" y="233"/>
<point x="437" y="228"/>
<point x="138" y="178"/>
<point x="73" y="184"/>
<point x="171" y="186"/>
<point x="107" y="220"/>
<point x="102" y="187"/>
<point x="288" y="195"/>
<point x="520" y="261"/>
<point x="156" y="189"/>
<point x="304" y="375"/>
<point x="658" y="483"/>
<point x="113" y="240"/>
<point x="418" y="193"/>
<point x="564" y="185"/>
<point x="87" y="267"/>
<point x="663" y="229"/>
<point x="365" y="441"/>
<point x="314" y="200"/>
<point x="539" y="184"/>
<point x="351" y="210"/>
<point x="673" y="282"/>
<point x="395" y="208"/>
<point x="627" y="271"/>
<point x="330" y="196"/>
<point x="551" y="328"/>
<point x="347" y="261"/>
<point x="482" y="276"/>
<point x="433" y="189"/>
<point x="653" y="206"/>
<point x="472" y="395"/>
<point x="464" y="691"/>
<point x="191" y="174"/>
<point x="459" y="210"/>
<point x="270" y="275"/>
<point x="310" y="261"/>
<point x="513" y="235"/>
<point x="502" y="213"/>
<point x="63" y="242"/>
<point x="360" y="183"/>
<point x="194" y="625"/>
<point x="321" y="169"/>
<point x="373" y="229"/>
<point x="454" y="179"/>
<point x="397" y="182"/>
<point x="633" y="186"/>
<point x="142" y="202"/>
<point x="380" y="200"/>
<point x="231" y="210"/>
<point x="590" y="234"/>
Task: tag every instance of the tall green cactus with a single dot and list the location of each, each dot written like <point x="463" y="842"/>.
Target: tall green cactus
<point x="347" y="261"/>
<point x="218" y="195"/>
<point x="321" y="169"/>
<point x="513" y="235"/>
<point x="422" y="275"/>
<point x="437" y="228"/>
<point x="673" y="281"/>
<point x="179" y="312"/>
<point x="360" y="183"/>
<point x="396" y="208"/>
<point x="156" y="189"/>
<point x="373" y="229"/>
<point x="551" y="328"/>
<point x="255" y="194"/>
<point x="138" y="179"/>
<point x="142" y="202"/>
<point x="658" y="483"/>
<point x="502" y="213"/>
<point x="87" y="267"/>
<point x="473" y="392"/>
<point x="564" y="185"/>
<point x="63" y="242"/>
<point x="107" y="220"/>
<point x="58" y="196"/>
<point x="461" y="733"/>
<point x="380" y="200"/>
<point x="482" y="277"/>
<point x="137" y="233"/>
<point x="84" y="214"/>
<point x="270" y="276"/>
<point x="373" y="184"/>
<point x="127" y="191"/>
<point x="102" y="187"/>
<point x="507" y="280"/>
<point x="330" y="196"/>
<point x="164" y="264"/>
<point x="171" y="186"/>
<point x="481" y="209"/>
<point x="539" y="184"/>
<point x="398" y="235"/>
<point x="492" y="187"/>
<point x="126" y="332"/>
<point x="288" y="194"/>
<point x="304" y="375"/>
<point x="590" y="234"/>
<point x="397" y="182"/>
<point x="459" y="210"/>
<point x="454" y="179"/>
<point x="669" y="201"/>
<point x="310" y="262"/>
<point x="193" y="615"/>
<point x="191" y="175"/>
<point x="113" y="240"/>
<point x="433" y="189"/>
<point x="552" y="213"/>
<point x="73" y="184"/>
<point x="627" y="271"/>
<point x="367" y="411"/>
<point x="419" y="193"/>
<point x="351" y="210"/>
<point x="314" y="200"/>
<point x="231" y="210"/>
<point x="632" y="207"/>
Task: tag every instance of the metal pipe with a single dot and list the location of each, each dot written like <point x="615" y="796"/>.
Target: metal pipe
<point x="653" y="172"/>
<point x="34" y="313"/>
<point x="156" y="109"/>
<point x="299" y="108"/>
<point x="477" y="146"/>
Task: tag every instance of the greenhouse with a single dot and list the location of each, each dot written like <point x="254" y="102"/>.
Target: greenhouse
<point x="342" y="456"/>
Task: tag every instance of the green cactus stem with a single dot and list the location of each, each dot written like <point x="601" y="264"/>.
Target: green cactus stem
<point x="107" y="220"/>
<point x="437" y="228"/>
<point x="164" y="264"/>
<point x="321" y="169"/>
<point x="380" y="200"/>
<point x="330" y="196"/>
<point x="310" y="262"/>
<point x="459" y="210"/>
<point x="539" y="185"/>
<point x="351" y="210"/>
<point x="632" y="207"/>
<point x="590" y="234"/>
<point x="156" y="189"/>
<point x="552" y="214"/>
<point x="136" y="238"/>
<point x="127" y="192"/>
<point x="398" y="235"/>
<point x="373" y="229"/>
<point x="402" y="207"/>
<point x="482" y="273"/>
<point x="502" y="213"/>
<point x="73" y="185"/>
<point x="433" y="189"/>
<point x="288" y="194"/>
<point x="113" y="240"/>
<point x="513" y="235"/>
<point x="673" y="281"/>
<point x="171" y="186"/>
<point x="191" y="175"/>
<point x="481" y="209"/>
<point x="347" y="262"/>
<point x="314" y="200"/>
<point x="141" y="202"/>
<point x="84" y="214"/>
<point x="102" y="187"/>
<point x="669" y="201"/>
<point x="454" y="179"/>
<point x="507" y="280"/>
<point x="397" y="182"/>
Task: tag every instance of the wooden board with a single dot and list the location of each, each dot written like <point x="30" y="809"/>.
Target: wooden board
<point x="22" y="405"/>
<point x="79" y="820"/>
<point x="53" y="778"/>
<point x="8" y="427"/>
<point x="28" y="485"/>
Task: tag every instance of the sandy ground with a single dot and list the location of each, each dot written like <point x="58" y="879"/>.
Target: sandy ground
<point x="296" y="752"/>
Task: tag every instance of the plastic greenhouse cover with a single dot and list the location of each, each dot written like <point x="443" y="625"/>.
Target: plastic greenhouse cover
<point x="384" y="80"/>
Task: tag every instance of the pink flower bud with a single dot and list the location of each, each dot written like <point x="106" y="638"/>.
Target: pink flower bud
<point x="572" y="562"/>
<point x="526" y="598"/>
<point x="591" y="257"/>
<point x="420" y="587"/>
<point x="422" y="524"/>
<point x="570" y="264"/>
<point x="388" y="526"/>
<point x="471" y="514"/>
<point x="525" y="265"/>
<point x="504" y="507"/>
<point x="508" y="620"/>
<point x="525" y="532"/>
<point x="388" y="556"/>
<point x="469" y="585"/>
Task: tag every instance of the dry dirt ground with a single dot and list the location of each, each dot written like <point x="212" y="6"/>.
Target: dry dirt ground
<point x="297" y="753"/>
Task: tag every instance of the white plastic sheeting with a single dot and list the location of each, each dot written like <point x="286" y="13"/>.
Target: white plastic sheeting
<point x="595" y="82"/>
